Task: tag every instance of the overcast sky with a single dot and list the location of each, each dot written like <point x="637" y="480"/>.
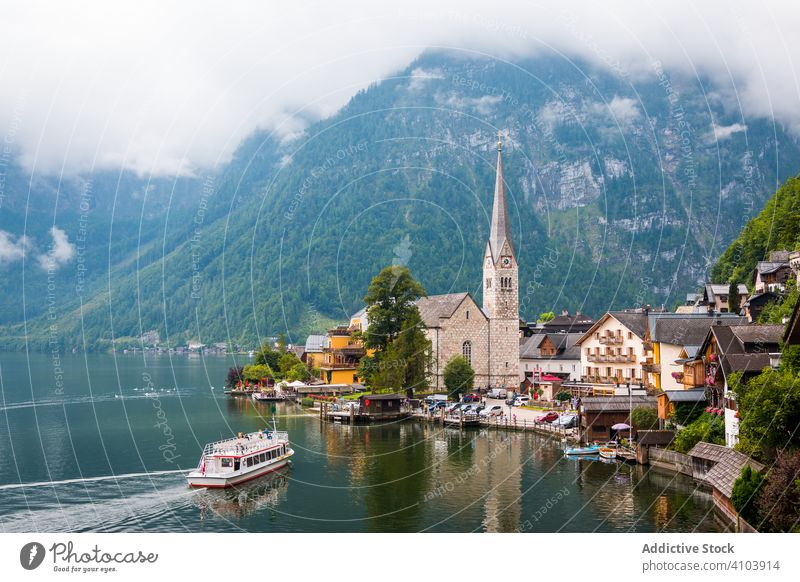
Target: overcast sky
<point x="169" y="87"/>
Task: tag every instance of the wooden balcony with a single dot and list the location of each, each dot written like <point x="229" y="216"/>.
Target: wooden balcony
<point x="610" y="340"/>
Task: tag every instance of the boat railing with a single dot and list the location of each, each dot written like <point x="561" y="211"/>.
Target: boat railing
<point x="244" y="445"/>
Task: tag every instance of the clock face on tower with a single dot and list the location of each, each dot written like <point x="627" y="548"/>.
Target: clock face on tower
<point x="505" y="261"/>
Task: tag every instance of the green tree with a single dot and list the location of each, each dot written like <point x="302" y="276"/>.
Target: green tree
<point x="266" y="355"/>
<point x="733" y="297"/>
<point x="390" y="300"/>
<point x="298" y="372"/>
<point x="406" y="360"/>
<point x="745" y="493"/>
<point x="769" y="410"/>
<point x="459" y="377"/>
<point x="257" y="372"/>
<point x="286" y="362"/>
<point x="546" y="316"/>
<point x="644" y="418"/>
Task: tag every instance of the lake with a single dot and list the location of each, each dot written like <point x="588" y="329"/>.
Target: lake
<point x="99" y="443"/>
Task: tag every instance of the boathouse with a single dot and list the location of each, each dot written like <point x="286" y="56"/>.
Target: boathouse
<point x="600" y="413"/>
<point x="382" y="406"/>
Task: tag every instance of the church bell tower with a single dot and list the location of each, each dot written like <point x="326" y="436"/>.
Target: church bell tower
<point x="501" y="290"/>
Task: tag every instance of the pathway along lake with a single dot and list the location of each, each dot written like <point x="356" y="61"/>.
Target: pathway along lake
<point x="113" y="452"/>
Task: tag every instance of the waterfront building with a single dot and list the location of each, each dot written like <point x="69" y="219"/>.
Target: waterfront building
<point x="554" y="354"/>
<point x="612" y="349"/>
<point x="342" y="352"/>
<point x="600" y="413"/>
<point x="668" y="335"/>
<point x="747" y="349"/>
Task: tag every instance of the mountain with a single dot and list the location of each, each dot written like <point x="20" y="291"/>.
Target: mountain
<point x="619" y="195"/>
<point x="776" y="227"/>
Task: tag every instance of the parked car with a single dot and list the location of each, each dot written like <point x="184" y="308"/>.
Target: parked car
<point x="453" y="408"/>
<point x="471" y="408"/>
<point x="522" y="400"/>
<point x="435" y="398"/>
<point x="493" y="410"/>
<point x="566" y="421"/>
<point x="497" y="393"/>
<point x="547" y="417"/>
<point x="471" y="397"/>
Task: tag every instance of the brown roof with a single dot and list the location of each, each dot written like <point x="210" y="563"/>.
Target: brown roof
<point x="432" y="308"/>
<point x="728" y="465"/>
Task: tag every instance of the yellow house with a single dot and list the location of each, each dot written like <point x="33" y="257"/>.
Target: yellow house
<point x="342" y="353"/>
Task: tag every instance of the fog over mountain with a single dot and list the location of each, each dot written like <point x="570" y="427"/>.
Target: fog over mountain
<point x="174" y="89"/>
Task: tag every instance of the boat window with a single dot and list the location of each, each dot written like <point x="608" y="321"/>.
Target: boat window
<point x="249" y="461"/>
<point x="226" y="462"/>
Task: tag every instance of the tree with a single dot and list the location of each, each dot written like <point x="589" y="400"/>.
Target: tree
<point x="769" y="410"/>
<point x="257" y="372"/>
<point x="234" y="376"/>
<point x="644" y="418"/>
<point x="266" y="355"/>
<point x="286" y="362"/>
<point x="406" y="360"/>
<point x="459" y="377"/>
<point x="687" y="412"/>
<point x="390" y="300"/>
<point x="298" y="372"/>
<point x="745" y="493"/>
<point x="778" y="501"/>
<point x="546" y="316"/>
<point x="563" y="395"/>
<point x="733" y="297"/>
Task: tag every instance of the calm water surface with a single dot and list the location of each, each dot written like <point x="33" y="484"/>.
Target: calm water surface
<point x="101" y="455"/>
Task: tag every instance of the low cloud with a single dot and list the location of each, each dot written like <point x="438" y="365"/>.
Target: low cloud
<point x="483" y="105"/>
<point x="60" y="253"/>
<point x="12" y="248"/>
<point x="173" y="88"/>
<point x="725" y="131"/>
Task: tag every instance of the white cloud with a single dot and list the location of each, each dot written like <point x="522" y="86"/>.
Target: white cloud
<point x="420" y="78"/>
<point x="725" y="131"/>
<point x="12" y="248"/>
<point x="60" y="253"/>
<point x="174" y="87"/>
<point x="483" y="104"/>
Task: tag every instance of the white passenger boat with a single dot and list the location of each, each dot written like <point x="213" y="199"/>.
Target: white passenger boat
<point x="236" y="460"/>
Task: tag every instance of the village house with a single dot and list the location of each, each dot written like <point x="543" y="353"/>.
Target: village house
<point x="613" y="351"/>
<point x="747" y="349"/>
<point x="755" y="304"/>
<point x="669" y="334"/>
<point x="715" y="297"/>
<point x="772" y="275"/>
<point x="554" y="354"/>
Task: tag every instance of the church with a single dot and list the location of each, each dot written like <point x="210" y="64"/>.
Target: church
<point x="488" y="335"/>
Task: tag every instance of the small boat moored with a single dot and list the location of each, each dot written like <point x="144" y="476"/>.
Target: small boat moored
<point x="608" y="451"/>
<point x="248" y="456"/>
<point x="588" y="450"/>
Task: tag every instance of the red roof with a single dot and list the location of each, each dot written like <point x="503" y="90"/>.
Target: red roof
<point x="549" y="378"/>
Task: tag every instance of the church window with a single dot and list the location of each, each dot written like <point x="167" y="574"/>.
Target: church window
<point x="467" y="313"/>
<point x="466" y="351"/>
<point x="488" y="283"/>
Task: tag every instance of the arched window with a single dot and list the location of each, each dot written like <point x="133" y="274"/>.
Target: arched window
<point x="466" y="351"/>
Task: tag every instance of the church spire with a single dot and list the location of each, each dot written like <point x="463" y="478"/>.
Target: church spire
<point x="499" y="231"/>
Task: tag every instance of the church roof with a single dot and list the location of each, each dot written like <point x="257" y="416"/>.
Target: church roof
<point x="434" y="307"/>
<point x="499" y="231"/>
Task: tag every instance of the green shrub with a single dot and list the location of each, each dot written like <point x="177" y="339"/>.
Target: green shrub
<point x="307" y="402"/>
<point x="708" y="428"/>
<point x="644" y="418"/>
<point x="745" y="492"/>
<point x="563" y="395"/>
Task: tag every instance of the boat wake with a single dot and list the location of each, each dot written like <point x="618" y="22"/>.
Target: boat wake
<point x="90" y="479"/>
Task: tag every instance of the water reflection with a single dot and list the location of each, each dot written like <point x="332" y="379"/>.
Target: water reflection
<point x="237" y="502"/>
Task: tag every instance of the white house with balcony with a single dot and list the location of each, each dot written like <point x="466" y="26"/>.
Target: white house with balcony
<point x="613" y="350"/>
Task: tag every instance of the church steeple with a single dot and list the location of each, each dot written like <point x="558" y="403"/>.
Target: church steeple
<point x="499" y="232"/>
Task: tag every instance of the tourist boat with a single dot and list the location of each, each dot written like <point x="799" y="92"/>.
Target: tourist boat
<point x="236" y="460"/>
<point x="588" y="450"/>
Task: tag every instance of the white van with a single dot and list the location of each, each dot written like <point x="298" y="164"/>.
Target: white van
<point x="497" y="393"/>
<point x="522" y="401"/>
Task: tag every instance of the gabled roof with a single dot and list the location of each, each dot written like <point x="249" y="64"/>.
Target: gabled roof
<point x="567" y="321"/>
<point x="728" y="465"/>
<point x="713" y="289"/>
<point x="687" y="329"/>
<point x="565" y="344"/>
<point x="766" y="267"/>
<point x="435" y="307"/>
<point x="635" y="321"/>
<point x="616" y="403"/>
